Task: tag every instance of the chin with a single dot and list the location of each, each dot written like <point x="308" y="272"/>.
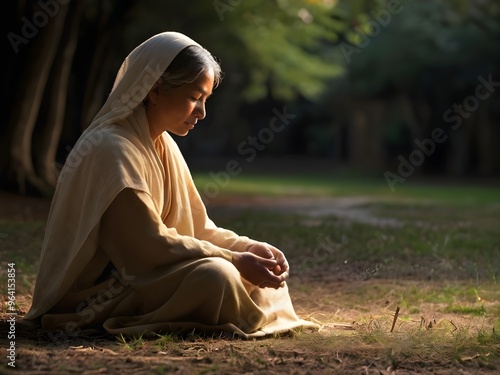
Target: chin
<point x="181" y="133"/>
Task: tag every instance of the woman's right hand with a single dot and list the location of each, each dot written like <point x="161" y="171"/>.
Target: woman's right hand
<point x="257" y="270"/>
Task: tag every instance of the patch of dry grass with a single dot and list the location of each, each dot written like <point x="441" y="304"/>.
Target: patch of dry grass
<point x="440" y="269"/>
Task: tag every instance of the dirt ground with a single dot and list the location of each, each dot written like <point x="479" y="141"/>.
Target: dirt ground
<point x="37" y="352"/>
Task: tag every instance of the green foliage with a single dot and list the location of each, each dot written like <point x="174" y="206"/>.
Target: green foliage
<point x="422" y="36"/>
<point x="287" y="51"/>
<point x="276" y="46"/>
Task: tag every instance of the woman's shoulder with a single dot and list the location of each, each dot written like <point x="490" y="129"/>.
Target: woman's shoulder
<point x="104" y="148"/>
<point x="111" y="138"/>
<point x="105" y="144"/>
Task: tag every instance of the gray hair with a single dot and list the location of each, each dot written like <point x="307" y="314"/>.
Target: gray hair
<point x="187" y="66"/>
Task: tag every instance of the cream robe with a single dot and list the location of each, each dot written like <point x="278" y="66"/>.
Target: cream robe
<point x="129" y="246"/>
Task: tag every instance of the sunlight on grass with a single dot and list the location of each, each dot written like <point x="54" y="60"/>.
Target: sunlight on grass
<point x="338" y="349"/>
<point x="321" y="185"/>
<point x="411" y="250"/>
<point x="466" y="310"/>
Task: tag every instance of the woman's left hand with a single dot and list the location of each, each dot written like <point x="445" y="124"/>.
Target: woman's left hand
<point x="267" y="251"/>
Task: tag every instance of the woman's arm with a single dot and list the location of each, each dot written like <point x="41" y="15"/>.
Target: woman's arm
<point x="133" y="236"/>
<point x="136" y="240"/>
<point x="206" y="229"/>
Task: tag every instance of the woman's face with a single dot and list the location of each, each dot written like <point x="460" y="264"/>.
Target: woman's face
<point x="177" y="110"/>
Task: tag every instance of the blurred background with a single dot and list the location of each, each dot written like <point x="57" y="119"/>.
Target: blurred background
<point x="392" y="89"/>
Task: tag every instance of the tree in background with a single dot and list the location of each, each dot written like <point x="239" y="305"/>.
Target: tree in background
<point x="409" y="70"/>
<point x="364" y="79"/>
<point x="42" y="43"/>
<point x="63" y="55"/>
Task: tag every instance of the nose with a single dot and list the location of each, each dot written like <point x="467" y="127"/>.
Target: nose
<point x="199" y="111"/>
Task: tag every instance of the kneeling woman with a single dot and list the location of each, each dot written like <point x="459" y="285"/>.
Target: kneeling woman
<point x="129" y="246"/>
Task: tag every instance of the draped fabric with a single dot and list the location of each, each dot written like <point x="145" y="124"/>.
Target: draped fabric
<point x="129" y="245"/>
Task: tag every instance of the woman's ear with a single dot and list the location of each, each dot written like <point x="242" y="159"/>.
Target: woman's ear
<point x="154" y="94"/>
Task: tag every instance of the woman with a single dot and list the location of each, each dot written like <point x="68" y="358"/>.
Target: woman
<point x="129" y="246"/>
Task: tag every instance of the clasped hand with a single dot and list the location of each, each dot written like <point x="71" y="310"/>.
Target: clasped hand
<point x="262" y="265"/>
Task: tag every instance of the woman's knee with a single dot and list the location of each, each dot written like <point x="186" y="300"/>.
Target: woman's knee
<point x="216" y="270"/>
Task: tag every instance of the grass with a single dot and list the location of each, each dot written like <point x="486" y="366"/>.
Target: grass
<point x="439" y="267"/>
<point x="471" y="250"/>
<point x="20" y="243"/>
<point x="350" y="185"/>
<point x="441" y="262"/>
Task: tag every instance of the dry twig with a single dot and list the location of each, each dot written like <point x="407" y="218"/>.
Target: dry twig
<point x="396" y="314"/>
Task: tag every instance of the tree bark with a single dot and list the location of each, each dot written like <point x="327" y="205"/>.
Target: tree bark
<point x="94" y="87"/>
<point x="109" y="24"/>
<point x="26" y="108"/>
<point x="45" y="153"/>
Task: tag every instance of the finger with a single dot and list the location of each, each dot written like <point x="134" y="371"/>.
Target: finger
<point x="268" y="263"/>
<point x="282" y="260"/>
<point x="284" y="265"/>
<point x="261" y="250"/>
<point x="280" y="257"/>
<point x="270" y="277"/>
<point x="282" y="268"/>
<point x="277" y="270"/>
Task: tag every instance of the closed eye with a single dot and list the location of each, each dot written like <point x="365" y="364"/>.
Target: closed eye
<point x="194" y="99"/>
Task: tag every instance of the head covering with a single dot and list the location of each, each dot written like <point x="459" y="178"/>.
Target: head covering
<point x="140" y="70"/>
<point x="84" y="191"/>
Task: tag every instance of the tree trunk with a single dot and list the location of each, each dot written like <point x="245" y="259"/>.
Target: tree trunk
<point x="94" y="88"/>
<point x="97" y="83"/>
<point x="26" y="108"/>
<point x="110" y="24"/>
<point x="45" y="153"/>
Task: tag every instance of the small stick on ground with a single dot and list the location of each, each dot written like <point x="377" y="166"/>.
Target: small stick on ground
<point x="396" y="314"/>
